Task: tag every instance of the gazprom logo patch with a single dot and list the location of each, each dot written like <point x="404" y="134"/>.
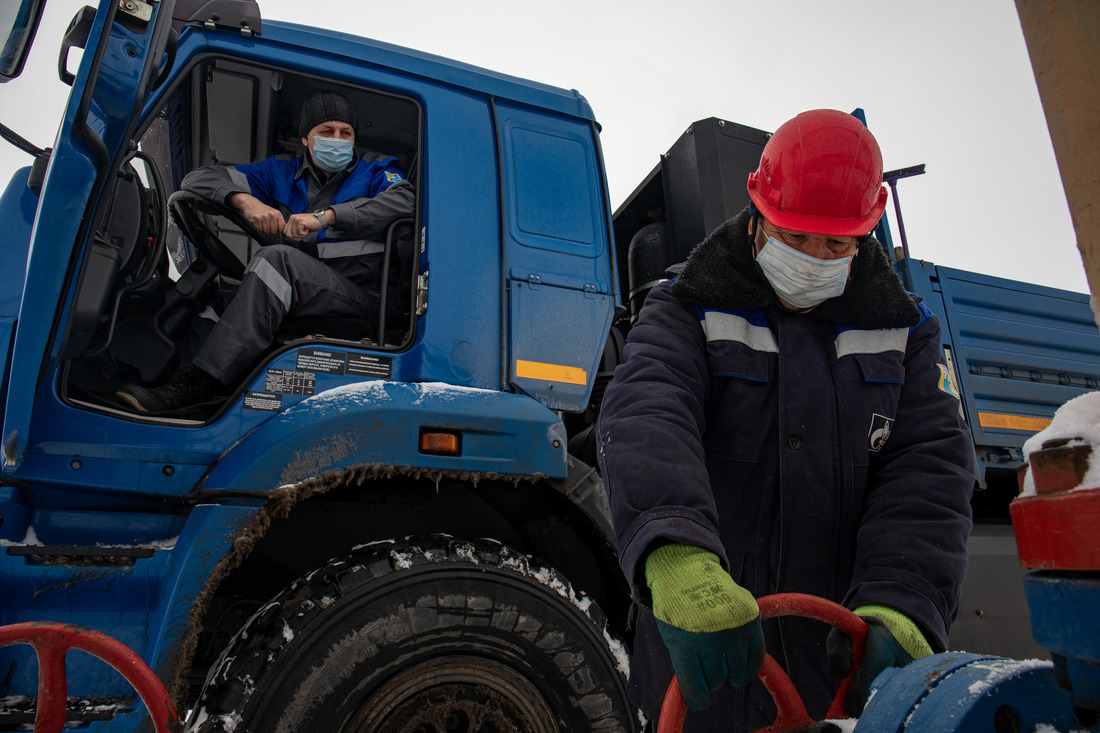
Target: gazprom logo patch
<point x="879" y="432"/>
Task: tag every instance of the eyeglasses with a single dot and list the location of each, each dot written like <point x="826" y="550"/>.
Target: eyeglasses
<point x="837" y="246"/>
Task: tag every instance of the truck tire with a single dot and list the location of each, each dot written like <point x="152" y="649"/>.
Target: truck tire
<point x="422" y="636"/>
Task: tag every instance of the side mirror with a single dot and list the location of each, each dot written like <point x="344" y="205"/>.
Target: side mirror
<point x="18" y="24"/>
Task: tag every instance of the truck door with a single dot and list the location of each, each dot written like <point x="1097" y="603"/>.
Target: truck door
<point x="125" y="56"/>
<point x="556" y="254"/>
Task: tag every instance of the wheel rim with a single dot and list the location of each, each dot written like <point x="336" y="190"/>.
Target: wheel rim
<point x="455" y="695"/>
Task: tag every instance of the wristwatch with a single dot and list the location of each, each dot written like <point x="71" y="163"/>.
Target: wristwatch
<point x="320" y="214"/>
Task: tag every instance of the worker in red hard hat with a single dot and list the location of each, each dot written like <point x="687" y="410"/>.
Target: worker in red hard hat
<point x="783" y="421"/>
<point x="817" y="192"/>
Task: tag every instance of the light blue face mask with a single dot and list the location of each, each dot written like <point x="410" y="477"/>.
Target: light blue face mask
<point x="332" y="153"/>
<point x="802" y="280"/>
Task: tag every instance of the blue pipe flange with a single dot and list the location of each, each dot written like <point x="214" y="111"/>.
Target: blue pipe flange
<point x="968" y="693"/>
<point x="1065" y="621"/>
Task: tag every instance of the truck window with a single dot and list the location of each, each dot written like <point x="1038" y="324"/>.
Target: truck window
<point x="552" y="207"/>
<point x="156" y="278"/>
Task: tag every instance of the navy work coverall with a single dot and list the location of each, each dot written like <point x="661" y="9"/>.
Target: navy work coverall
<point x="329" y="273"/>
<point x="820" y="453"/>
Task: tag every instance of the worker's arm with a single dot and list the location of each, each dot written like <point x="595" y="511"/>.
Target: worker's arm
<point x="232" y="186"/>
<point x="391" y="197"/>
<point x="911" y="549"/>
<point x="217" y="183"/>
<point x="651" y="428"/>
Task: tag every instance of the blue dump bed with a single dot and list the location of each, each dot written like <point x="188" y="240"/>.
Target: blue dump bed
<point x="1019" y="352"/>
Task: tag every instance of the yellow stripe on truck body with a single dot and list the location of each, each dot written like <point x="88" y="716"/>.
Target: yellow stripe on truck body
<point x="551" y="372"/>
<point x="1013" y="422"/>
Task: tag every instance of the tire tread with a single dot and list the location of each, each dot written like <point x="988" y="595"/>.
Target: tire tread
<point x="268" y="635"/>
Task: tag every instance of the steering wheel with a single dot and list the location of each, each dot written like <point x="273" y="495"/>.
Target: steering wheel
<point x="791" y="712"/>
<point x="52" y="641"/>
<point x="186" y="208"/>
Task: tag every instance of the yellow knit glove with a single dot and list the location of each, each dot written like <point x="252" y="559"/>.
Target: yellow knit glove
<point x="709" y="624"/>
<point x="692" y="592"/>
<point x="903" y="629"/>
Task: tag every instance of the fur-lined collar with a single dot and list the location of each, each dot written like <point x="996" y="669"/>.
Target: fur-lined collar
<point x="722" y="273"/>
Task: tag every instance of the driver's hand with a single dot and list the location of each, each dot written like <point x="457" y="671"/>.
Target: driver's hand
<point x="265" y="218"/>
<point x="300" y="225"/>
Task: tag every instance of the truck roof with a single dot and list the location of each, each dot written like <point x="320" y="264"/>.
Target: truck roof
<point x="431" y="67"/>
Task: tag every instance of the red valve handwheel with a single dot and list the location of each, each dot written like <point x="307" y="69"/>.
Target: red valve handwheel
<point x="791" y="711"/>
<point x="53" y="641"/>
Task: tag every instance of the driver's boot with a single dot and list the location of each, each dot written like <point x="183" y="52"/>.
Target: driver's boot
<point x="188" y="387"/>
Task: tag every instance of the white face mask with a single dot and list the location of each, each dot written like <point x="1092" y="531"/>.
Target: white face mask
<point x="799" y="279"/>
<point x="332" y="153"/>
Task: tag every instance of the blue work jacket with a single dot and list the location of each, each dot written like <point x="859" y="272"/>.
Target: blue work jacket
<point x="821" y="453"/>
<point x="366" y="197"/>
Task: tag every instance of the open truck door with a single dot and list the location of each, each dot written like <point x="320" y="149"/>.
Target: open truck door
<point x="85" y="188"/>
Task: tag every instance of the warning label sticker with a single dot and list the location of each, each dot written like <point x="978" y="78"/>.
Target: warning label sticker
<point x="368" y="365"/>
<point x="288" y="381"/>
<point x="263" y="401"/>
<point x="325" y="362"/>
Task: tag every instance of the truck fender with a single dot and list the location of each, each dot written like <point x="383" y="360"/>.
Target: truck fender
<point x="378" y="423"/>
<point x="584" y="488"/>
<point x="210" y="545"/>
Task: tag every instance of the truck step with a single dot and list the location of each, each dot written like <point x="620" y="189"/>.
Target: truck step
<point x="80" y="556"/>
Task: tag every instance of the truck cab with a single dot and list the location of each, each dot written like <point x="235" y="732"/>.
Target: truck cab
<point x="360" y="470"/>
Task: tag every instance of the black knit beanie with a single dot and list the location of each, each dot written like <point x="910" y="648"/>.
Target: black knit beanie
<point x="325" y="106"/>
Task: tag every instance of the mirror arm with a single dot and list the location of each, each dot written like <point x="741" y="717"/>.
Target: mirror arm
<point x="20" y="142"/>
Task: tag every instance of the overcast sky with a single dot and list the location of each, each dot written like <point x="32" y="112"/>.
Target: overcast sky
<point x="944" y="83"/>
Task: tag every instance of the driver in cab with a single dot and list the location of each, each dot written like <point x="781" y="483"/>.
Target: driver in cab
<point x="332" y="207"/>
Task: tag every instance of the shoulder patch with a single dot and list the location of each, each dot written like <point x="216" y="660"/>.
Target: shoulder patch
<point x="393" y="177"/>
<point x="945" y="382"/>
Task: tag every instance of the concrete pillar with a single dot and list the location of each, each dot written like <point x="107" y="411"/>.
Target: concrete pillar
<point x="1063" y="40"/>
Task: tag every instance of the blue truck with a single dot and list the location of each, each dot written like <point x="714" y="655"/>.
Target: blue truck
<point x="403" y="507"/>
<point x="400" y="531"/>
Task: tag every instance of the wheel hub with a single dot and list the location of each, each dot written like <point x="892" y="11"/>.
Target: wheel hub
<point x="456" y="695"/>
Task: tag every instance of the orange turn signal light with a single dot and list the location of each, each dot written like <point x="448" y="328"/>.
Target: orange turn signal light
<point x="440" y="444"/>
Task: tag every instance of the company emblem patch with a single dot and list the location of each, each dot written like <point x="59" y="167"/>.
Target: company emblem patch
<point x="391" y="176"/>
<point x="945" y="382"/>
<point x="879" y="432"/>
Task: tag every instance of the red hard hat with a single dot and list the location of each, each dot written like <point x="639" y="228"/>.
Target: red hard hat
<point x="821" y="173"/>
